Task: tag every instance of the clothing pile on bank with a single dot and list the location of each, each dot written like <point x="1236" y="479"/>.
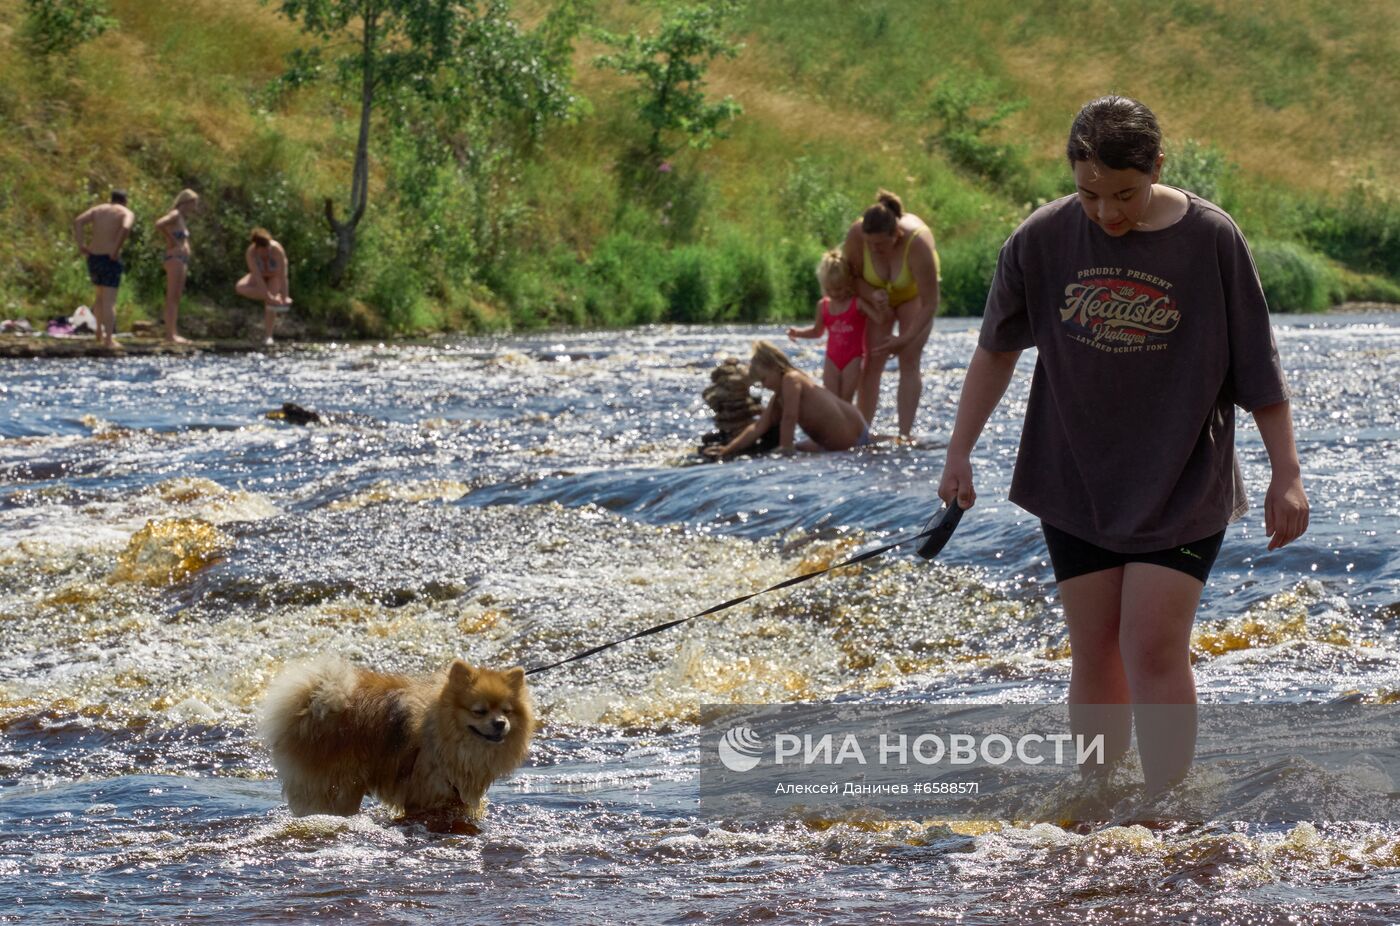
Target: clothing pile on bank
<point x="81" y="322"/>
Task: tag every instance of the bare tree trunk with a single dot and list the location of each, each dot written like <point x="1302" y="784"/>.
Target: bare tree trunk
<point x="359" y="181"/>
<point x="661" y="101"/>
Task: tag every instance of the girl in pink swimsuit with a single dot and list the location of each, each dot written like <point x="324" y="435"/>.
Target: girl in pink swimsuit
<point x="841" y="317"/>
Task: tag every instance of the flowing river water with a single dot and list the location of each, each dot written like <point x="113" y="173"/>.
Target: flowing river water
<point x="165" y="549"/>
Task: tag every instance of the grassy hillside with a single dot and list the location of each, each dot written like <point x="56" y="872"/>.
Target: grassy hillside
<point x="1285" y="113"/>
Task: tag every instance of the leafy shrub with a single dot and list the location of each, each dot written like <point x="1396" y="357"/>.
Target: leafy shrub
<point x="746" y="289"/>
<point x="672" y="193"/>
<point x="810" y="195"/>
<point x="1367" y="287"/>
<point x="968" y="265"/>
<point x="690" y="287"/>
<point x="397" y="292"/>
<point x="681" y="197"/>
<point x="624" y="279"/>
<point x="537" y="296"/>
<point x="58" y="27"/>
<point x="1202" y="169"/>
<point x="798" y="273"/>
<point x="1363" y="231"/>
<point x="966" y="108"/>
<point x="1294" y="278"/>
<point x="670" y="66"/>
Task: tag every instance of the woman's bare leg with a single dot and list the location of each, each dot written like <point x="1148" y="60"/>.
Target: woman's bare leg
<point x="911" y="374"/>
<point x="1158" y="609"/>
<point x="868" y="396"/>
<point x="1098" y="685"/>
<point x="911" y="388"/>
<point x="175" y="273"/>
<point x="251" y="288"/>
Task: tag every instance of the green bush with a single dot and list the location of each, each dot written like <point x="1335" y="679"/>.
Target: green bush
<point x="1366" y="287"/>
<point x="798" y="273"/>
<point x="812" y="197"/>
<point x="672" y="194"/>
<point x="1294" y="278"/>
<point x="623" y="282"/>
<point x="968" y="265"/>
<point x="746" y="288"/>
<point x="966" y="107"/>
<point x="1362" y="231"/>
<point x="1202" y="169"/>
<point x="682" y="196"/>
<point x="58" y="27"/>
<point x="690" y="287"/>
<point x="397" y="292"/>
<point x="534" y="299"/>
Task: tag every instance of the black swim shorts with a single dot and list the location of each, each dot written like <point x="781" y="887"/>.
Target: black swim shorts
<point x="1073" y="557"/>
<point x="104" y="270"/>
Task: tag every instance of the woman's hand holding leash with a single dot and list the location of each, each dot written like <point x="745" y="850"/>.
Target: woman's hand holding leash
<point x="956" y="484"/>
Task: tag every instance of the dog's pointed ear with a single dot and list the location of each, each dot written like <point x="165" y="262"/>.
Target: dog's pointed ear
<point x="515" y="678"/>
<point x="460" y="673"/>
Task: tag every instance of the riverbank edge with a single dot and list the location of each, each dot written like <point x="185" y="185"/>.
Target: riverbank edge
<point x="36" y="346"/>
<point x="1363" y="308"/>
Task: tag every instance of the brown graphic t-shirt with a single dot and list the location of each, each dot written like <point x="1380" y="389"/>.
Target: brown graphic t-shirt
<point x="1145" y="345"/>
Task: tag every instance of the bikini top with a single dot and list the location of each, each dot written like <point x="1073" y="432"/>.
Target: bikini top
<point x="179" y="234"/>
<point x="267" y="263"/>
<point x="903" y="287"/>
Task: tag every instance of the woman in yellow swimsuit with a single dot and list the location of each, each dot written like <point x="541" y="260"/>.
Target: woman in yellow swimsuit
<point x="896" y="269"/>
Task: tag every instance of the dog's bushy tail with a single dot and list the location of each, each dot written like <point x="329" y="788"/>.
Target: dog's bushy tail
<point x="306" y="699"/>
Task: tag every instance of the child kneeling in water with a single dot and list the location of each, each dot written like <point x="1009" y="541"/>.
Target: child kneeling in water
<point x="830" y="421"/>
<point x="840" y="316"/>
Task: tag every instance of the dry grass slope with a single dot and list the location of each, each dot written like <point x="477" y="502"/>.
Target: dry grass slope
<point x="1302" y="94"/>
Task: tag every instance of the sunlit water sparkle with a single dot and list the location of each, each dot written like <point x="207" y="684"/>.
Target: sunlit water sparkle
<point x="165" y="549"/>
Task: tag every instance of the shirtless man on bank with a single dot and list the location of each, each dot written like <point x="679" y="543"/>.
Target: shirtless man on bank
<point x="830" y="421"/>
<point x="107" y="226"/>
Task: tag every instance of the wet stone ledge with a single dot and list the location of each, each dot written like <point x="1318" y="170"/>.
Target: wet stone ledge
<point x="33" y="346"/>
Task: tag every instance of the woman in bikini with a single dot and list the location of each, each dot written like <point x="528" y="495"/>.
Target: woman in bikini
<point x="174" y="227"/>
<point x="896" y="267"/>
<point x="266" y="280"/>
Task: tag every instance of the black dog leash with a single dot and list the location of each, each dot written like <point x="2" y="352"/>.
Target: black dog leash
<point x="935" y="535"/>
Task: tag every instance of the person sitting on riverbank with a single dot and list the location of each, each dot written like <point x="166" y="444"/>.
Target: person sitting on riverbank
<point x="841" y="317"/>
<point x="174" y="227"/>
<point x="829" y="421"/>
<point x="108" y="225"/>
<point x="267" y="280"/>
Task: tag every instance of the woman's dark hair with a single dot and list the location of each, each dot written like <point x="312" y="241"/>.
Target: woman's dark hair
<point x="261" y="237"/>
<point x="883" y="217"/>
<point x="1117" y="132"/>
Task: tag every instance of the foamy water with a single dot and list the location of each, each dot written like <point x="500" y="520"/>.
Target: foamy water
<point x="165" y="549"/>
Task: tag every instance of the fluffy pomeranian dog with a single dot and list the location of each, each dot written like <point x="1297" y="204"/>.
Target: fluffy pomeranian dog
<point x="429" y="746"/>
